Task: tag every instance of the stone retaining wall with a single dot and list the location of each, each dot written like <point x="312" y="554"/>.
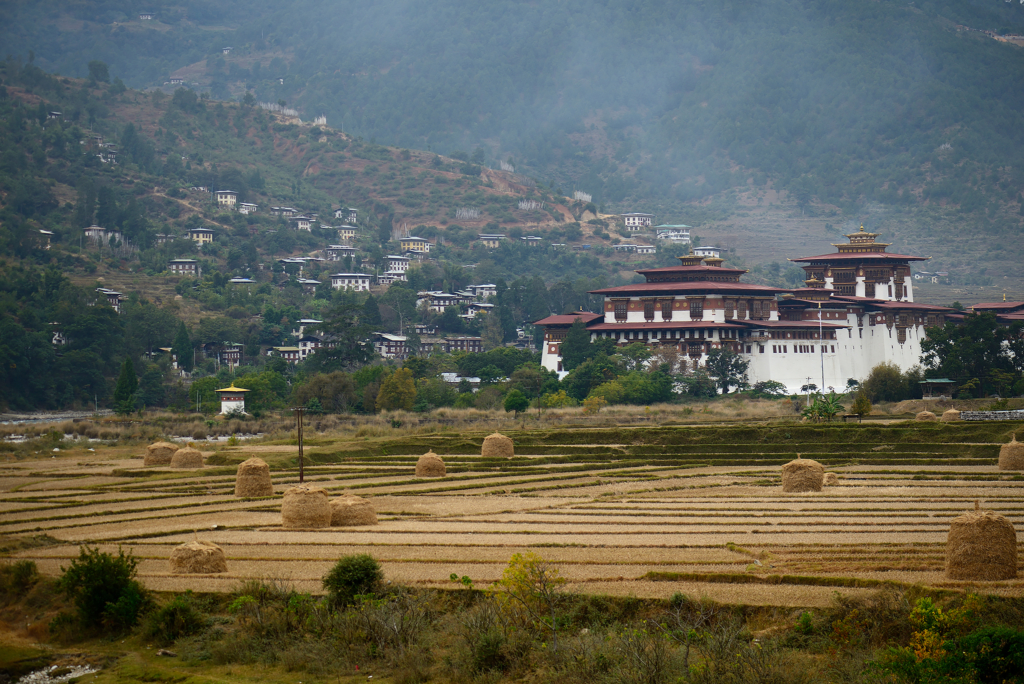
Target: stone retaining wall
<point x="992" y="415"/>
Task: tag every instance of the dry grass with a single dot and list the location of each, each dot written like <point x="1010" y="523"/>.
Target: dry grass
<point x="605" y="517"/>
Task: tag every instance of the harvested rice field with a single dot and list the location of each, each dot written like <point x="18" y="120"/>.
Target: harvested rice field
<point x="644" y="512"/>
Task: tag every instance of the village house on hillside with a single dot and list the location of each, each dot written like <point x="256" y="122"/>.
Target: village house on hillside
<point x="302" y="223"/>
<point x="112" y="297"/>
<point x="637" y="221"/>
<point x="338" y="252"/>
<point x="347" y="214"/>
<point x="395" y="263"/>
<point x="350" y="281"/>
<point x="491" y="240"/>
<point x="227" y="198"/>
<point x="187" y="267"/>
<point x="415" y="244"/>
<point x="203" y="236"/>
<point x="673" y="233"/>
<point x="102" y="235"/>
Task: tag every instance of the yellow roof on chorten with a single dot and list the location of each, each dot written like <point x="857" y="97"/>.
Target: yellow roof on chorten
<point x="232" y="389"/>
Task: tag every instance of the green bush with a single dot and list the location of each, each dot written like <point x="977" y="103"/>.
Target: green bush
<point x="103" y="589"/>
<point x="181" y="617"/>
<point x="995" y="654"/>
<point x="17" y="578"/>
<point x="352" y="576"/>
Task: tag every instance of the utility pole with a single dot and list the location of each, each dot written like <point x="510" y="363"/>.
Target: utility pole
<point x="299" y="410"/>
<point x="821" y="349"/>
<point x="808" y="390"/>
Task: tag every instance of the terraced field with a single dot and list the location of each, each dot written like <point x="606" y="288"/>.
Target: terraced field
<point x="641" y="511"/>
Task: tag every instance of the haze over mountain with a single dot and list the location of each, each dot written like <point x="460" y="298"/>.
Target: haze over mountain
<point x="661" y="101"/>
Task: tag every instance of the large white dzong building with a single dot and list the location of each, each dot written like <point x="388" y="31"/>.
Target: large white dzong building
<point x="856" y="311"/>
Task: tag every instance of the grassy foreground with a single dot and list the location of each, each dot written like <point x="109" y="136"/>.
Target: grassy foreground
<point x="653" y="553"/>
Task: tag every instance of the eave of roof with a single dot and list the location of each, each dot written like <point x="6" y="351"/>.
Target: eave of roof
<point x="813" y="303"/>
<point x="691" y="285"/>
<point x="992" y="306"/>
<point x="662" y="325"/>
<point x="568" y="319"/>
<point x="885" y="256"/>
<point x="909" y="305"/>
<point x="690" y="269"/>
<point x="792" y="324"/>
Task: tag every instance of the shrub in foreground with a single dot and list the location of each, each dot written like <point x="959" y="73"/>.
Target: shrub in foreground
<point x="352" y="576"/>
<point x="103" y="589"/>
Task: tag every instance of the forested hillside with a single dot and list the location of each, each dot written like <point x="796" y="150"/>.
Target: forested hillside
<point x="660" y="101"/>
<point x="79" y="153"/>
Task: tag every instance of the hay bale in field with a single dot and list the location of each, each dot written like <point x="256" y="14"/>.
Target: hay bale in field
<point x="497" y="445"/>
<point x="306" y="506"/>
<point x="802" y="475"/>
<point x="430" y="465"/>
<point x="831" y="480"/>
<point x="950" y="416"/>
<point x="198" y="558"/>
<point x="981" y="545"/>
<point x="253" y="479"/>
<point x="350" y="511"/>
<point x="187" y="458"/>
<point x="159" y="453"/>
<point x="1011" y="456"/>
<point x="926" y="415"/>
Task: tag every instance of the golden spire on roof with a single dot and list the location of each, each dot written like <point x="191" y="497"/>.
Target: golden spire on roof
<point x="861" y="241"/>
<point x="232" y="388"/>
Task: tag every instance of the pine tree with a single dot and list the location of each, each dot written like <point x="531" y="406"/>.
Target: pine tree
<point x="576" y="345"/>
<point x="127" y="386"/>
<point x="127" y="382"/>
<point x="371" y="312"/>
<point x="182" y="348"/>
<point x="861" y="405"/>
<point x="492" y="332"/>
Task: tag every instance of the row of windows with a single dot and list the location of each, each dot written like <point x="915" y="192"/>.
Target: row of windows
<point x="800" y="349"/>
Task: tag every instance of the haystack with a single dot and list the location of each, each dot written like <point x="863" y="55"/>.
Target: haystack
<point x="950" y="416"/>
<point x="497" y="445"/>
<point x="926" y="415"/>
<point x="198" y="558"/>
<point x="187" y="458"/>
<point x="802" y="475"/>
<point x="159" y="453"/>
<point x="982" y="545"/>
<point x="350" y="511"/>
<point x="831" y="480"/>
<point x="253" y="479"/>
<point x="430" y="465"/>
<point x="1011" y="456"/>
<point x="306" y="506"/>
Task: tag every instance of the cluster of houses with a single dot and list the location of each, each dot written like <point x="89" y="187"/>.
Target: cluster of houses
<point x="493" y="240"/>
<point x="106" y="152"/>
<point x="929" y="276"/>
